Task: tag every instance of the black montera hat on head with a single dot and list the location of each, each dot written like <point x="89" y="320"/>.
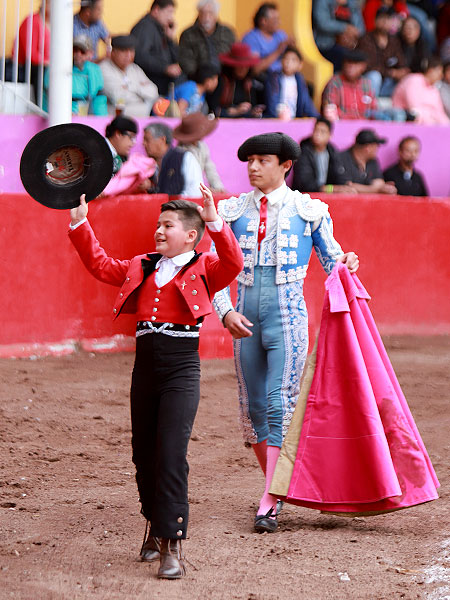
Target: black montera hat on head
<point x="276" y="143"/>
<point x="62" y="162"/>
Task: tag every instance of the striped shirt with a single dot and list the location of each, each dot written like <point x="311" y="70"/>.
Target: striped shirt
<point x="96" y="31"/>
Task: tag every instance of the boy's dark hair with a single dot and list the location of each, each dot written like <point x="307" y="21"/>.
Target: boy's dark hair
<point x="326" y="122"/>
<point x="188" y="214"/>
<point x="408" y="138"/>
<point x="294" y="50"/>
<point x="262" y="12"/>
<point x="121" y="124"/>
<point x="205" y="72"/>
<point x="162" y="4"/>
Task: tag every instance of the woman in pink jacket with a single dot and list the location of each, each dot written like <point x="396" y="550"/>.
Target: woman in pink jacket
<point x="417" y="93"/>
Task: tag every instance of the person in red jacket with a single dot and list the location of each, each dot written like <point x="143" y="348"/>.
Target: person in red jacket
<point x="170" y="293"/>
<point x="40" y="37"/>
<point x="371" y="7"/>
<point x="38" y="26"/>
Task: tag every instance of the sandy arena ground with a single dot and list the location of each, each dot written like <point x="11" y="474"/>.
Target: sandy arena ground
<point x="69" y="516"/>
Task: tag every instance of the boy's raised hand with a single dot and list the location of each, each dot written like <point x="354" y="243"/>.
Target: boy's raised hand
<point x="208" y="211"/>
<point x="80" y="212"/>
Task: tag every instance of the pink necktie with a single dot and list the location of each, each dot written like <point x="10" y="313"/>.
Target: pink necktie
<point x="262" y="221"/>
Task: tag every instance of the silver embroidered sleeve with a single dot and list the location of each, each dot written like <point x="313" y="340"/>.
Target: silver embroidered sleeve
<point x="222" y="299"/>
<point x="327" y="248"/>
<point x="222" y="303"/>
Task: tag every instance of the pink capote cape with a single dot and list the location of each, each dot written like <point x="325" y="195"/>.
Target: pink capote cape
<point x="133" y="172"/>
<point x="359" y="450"/>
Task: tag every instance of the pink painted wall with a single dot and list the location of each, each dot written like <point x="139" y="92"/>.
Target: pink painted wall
<point x="434" y="161"/>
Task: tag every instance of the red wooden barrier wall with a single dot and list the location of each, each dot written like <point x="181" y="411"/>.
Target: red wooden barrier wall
<point x="50" y="304"/>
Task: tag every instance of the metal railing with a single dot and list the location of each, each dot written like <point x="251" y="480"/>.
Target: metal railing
<point x="22" y="84"/>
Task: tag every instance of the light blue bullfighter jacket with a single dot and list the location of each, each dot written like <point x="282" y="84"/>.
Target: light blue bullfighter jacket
<point x="303" y="222"/>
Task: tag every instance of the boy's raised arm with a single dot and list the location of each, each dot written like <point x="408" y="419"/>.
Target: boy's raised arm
<point x="79" y="213"/>
<point x="97" y="262"/>
<point x="208" y="211"/>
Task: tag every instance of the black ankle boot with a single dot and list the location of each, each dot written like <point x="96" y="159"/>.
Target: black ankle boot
<point x="172" y="560"/>
<point x="150" y="551"/>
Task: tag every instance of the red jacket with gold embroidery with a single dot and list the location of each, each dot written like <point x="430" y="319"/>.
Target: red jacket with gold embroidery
<point x="194" y="285"/>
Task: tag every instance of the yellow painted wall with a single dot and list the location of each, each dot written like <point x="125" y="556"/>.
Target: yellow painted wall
<point x="120" y="16"/>
<point x="317" y="69"/>
<point x="246" y="9"/>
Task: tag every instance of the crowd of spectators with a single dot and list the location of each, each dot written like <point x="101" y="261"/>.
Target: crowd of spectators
<point x="322" y="168"/>
<point x="381" y="50"/>
<point x="390" y="59"/>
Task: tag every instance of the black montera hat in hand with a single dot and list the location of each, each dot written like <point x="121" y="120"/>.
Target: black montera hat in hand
<point x="62" y="162"/>
<point x="276" y="143"/>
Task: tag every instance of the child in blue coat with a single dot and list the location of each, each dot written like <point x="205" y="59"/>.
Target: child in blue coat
<point x="287" y="94"/>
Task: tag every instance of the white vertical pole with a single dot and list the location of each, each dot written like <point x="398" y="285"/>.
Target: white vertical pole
<point x="3" y="45"/>
<point x="40" y="74"/>
<point x="16" y="55"/>
<point x="61" y="57"/>
<point x="29" y="47"/>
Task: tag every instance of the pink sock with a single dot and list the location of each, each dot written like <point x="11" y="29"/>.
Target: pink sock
<point x="267" y="501"/>
<point x="260" y="450"/>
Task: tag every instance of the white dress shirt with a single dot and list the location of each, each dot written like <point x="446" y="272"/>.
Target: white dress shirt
<point x="201" y="152"/>
<point x="167" y="268"/>
<point x="274" y="203"/>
